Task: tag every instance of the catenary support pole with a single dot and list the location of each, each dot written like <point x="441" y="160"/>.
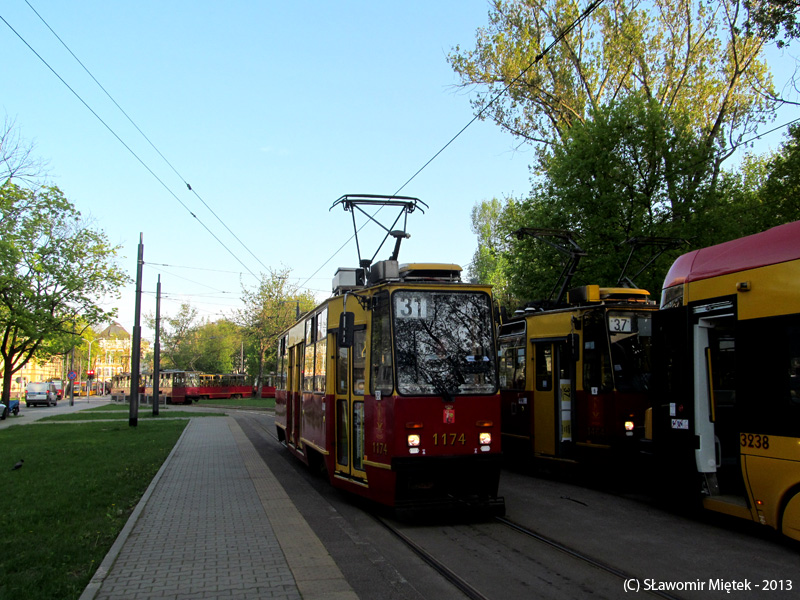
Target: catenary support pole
<point x="133" y="415"/>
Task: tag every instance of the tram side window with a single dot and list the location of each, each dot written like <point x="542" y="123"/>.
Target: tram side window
<point x="794" y="368"/>
<point x="768" y="376"/>
<point x="319" y="365"/>
<point x="544" y="367"/>
<point x="308" y="369"/>
<point x="283" y="366"/>
<point x="512" y="365"/>
<point x="279" y="359"/>
<point x="382" y="378"/>
<point x="320" y="370"/>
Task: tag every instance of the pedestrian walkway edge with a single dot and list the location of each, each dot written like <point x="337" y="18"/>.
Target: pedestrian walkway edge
<point x="105" y="566"/>
<point x="316" y="574"/>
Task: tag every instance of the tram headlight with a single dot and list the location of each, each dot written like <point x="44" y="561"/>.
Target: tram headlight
<point x="629" y="425"/>
<point x="413" y="440"/>
<point x="485" y="438"/>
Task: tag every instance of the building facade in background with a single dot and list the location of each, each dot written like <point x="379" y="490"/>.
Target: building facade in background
<point x="107" y="355"/>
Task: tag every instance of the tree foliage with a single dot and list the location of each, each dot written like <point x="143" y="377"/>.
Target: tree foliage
<point x="633" y="114"/>
<point x="604" y="184"/>
<point x="487" y="264"/>
<point x="689" y="56"/>
<point x="775" y="19"/>
<point x="55" y="269"/>
<point x="268" y="309"/>
<point x="190" y="344"/>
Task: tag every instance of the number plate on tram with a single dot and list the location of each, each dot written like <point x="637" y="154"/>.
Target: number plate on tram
<point x="410" y="306"/>
<point x="620" y="324"/>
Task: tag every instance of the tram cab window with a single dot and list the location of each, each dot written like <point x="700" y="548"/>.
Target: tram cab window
<point x="597" y="370"/>
<point x="630" y="336"/>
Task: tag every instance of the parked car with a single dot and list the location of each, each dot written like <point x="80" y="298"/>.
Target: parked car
<point x="41" y="393"/>
<point x="12" y="408"/>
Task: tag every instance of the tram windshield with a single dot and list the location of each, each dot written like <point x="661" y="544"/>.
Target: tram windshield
<point x="443" y="343"/>
<point x="617" y="351"/>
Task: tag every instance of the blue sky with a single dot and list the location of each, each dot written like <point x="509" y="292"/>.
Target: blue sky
<point x="271" y="111"/>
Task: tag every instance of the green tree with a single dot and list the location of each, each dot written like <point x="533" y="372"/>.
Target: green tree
<point x="54" y="269"/>
<point x="219" y="346"/>
<point x="190" y="344"/>
<point x="780" y="193"/>
<point x="177" y="339"/>
<point x="268" y="309"/>
<point x="488" y="262"/>
<point x="690" y="56"/>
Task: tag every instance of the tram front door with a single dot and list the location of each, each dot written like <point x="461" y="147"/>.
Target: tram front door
<point x="349" y="418"/>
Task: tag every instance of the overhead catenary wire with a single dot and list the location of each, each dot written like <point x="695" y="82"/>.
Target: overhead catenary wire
<point x="589" y="10"/>
<point x="152" y="145"/>
<point x="127" y="147"/>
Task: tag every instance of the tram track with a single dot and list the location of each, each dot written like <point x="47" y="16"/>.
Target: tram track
<point x="462" y="583"/>
<point x="456" y="580"/>
<point x="469" y="590"/>
<point x="622" y="575"/>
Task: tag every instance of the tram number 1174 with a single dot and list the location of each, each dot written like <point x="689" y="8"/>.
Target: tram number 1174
<point x="449" y="439"/>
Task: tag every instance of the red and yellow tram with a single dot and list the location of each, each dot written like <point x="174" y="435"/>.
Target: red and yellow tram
<point x="574" y="379"/>
<point x="184" y="387"/>
<point x="391" y="385"/>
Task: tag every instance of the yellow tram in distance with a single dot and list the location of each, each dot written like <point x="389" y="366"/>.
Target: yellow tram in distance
<point x="391" y="384"/>
<point x="726" y="410"/>
<point x="574" y="380"/>
<point x="575" y="368"/>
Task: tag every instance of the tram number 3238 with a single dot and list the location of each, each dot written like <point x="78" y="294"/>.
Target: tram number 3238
<point x="753" y="440"/>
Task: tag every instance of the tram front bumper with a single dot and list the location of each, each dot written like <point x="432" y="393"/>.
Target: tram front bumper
<point x="449" y="482"/>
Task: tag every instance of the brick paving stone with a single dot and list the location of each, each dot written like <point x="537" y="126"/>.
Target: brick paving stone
<point x="203" y="531"/>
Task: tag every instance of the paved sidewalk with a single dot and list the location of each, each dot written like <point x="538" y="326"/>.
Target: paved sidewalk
<point x="215" y="523"/>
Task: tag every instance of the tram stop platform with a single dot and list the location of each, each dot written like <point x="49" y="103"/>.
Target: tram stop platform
<point x="215" y="523"/>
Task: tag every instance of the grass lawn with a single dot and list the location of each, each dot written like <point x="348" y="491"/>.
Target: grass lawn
<point x="65" y="507"/>
<point x="239" y="403"/>
<point x="97" y="414"/>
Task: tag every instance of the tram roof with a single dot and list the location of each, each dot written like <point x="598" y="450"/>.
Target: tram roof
<point x="773" y="246"/>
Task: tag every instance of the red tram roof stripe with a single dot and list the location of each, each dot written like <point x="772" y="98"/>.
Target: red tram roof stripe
<point x="776" y="245"/>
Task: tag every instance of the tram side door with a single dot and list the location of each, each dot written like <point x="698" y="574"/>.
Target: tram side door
<point x="296" y="398"/>
<point x="349" y="407"/>
<point x="716" y="420"/>
<point x="552" y="397"/>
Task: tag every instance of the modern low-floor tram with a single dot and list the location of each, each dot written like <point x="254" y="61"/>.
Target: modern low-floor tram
<point x="726" y="410"/>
